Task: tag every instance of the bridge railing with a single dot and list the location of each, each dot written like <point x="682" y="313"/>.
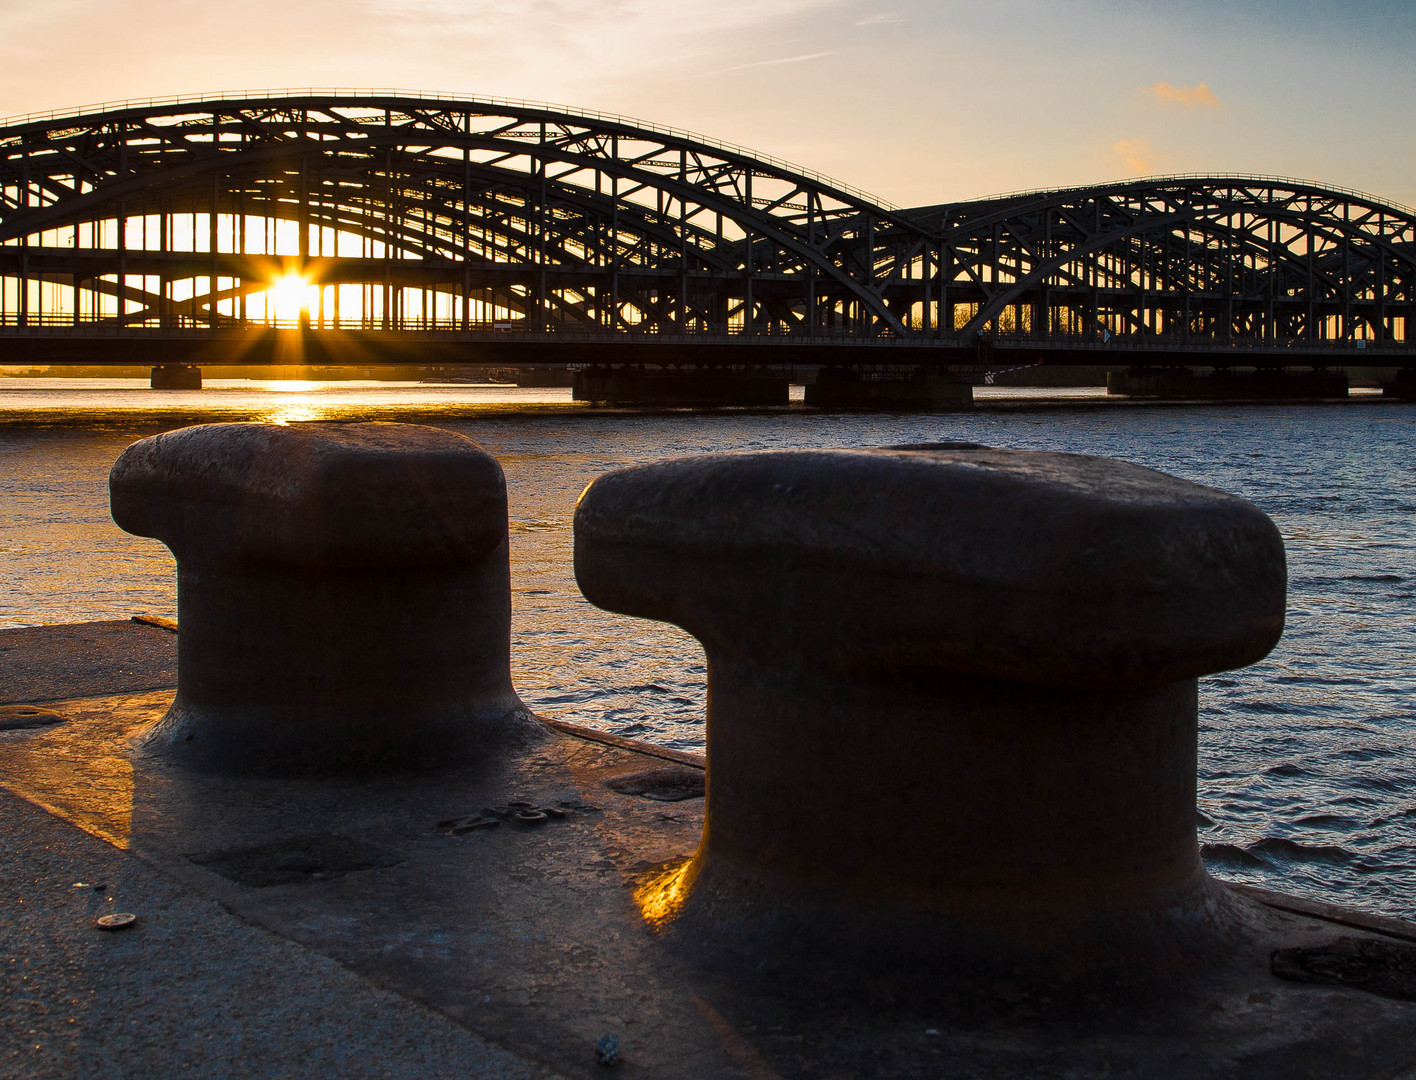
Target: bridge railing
<point x="107" y="325"/>
<point x="1237" y="343"/>
<point x="179" y="327"/>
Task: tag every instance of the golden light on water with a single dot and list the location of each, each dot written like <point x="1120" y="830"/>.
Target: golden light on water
<point x="293" y="414"/>
<point x="662" y="896"/>
<point x="289" y="386"/>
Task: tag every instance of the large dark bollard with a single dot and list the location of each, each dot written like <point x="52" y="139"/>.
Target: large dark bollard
<point x="342" y="589"/>
<point x="951" y="695"/>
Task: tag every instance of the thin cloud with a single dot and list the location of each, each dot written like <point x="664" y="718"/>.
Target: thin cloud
<point x="634" y="21"/>
<point x="791" y="59"/>
<point x="881" y="18"/>
<point x="1374" y="18"/>
<point x="1136" y="153"/>
<point x="803" y="58"/>
<point x="1197" y="96"/>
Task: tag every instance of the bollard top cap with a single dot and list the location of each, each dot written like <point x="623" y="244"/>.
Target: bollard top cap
<point x="323" y="493"/>
<point x="1044" y="568"/>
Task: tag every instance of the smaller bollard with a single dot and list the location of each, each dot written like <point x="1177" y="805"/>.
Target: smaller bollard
<point x="952" y="714"/>
<point x="343" y="594"/>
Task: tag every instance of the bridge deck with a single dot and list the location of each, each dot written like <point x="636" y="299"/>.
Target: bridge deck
<point x="91" y="345"/>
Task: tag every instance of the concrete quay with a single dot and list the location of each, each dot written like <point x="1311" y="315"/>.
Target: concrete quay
<point x="382" y="928"/>
<point x="192" y="989"/>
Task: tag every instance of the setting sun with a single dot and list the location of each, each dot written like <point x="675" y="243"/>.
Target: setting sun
<point x="291" y="296"/>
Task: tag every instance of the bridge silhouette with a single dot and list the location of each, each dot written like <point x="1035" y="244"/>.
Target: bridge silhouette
<point x="391" y="226"/>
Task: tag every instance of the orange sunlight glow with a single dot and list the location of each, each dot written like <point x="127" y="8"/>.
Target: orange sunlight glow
<point x="661" y="896"/>
<point x="290" y="297"/>
<point x="1189" y="96"/>
<point x="293" y="414"/>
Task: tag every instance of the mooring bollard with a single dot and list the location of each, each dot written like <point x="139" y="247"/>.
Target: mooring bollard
<point x="343" y="594"/>
<point x="951" y="695"/>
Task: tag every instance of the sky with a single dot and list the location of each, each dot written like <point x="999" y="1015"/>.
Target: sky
<point x="919" y="102"/>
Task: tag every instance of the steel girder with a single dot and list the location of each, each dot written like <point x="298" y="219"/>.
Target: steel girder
<point x="605" y="225"/>
<point x="1193" y="258"/>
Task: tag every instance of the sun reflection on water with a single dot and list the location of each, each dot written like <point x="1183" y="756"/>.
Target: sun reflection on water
<point x="294" y="414"/>
<point x="289" y="386"/>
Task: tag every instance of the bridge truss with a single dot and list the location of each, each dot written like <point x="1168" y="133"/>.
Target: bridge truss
<point x="396" y="212"/>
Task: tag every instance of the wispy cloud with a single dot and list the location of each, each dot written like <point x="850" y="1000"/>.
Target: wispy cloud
<point x="801" y="59"/>
<point x="618" y="55"/>
<point x="774" y="62"/>
<point x="1136" y="153"/>
<point x="881" y="17"/>
<point x="1197" y="96"/>
<point x="1375" y="18"/>
<point x="547" y="44"/>
<point x="633" y="21"/>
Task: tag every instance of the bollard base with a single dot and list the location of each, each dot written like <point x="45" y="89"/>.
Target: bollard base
<point x="1002" y="828"/>
<point x="311" y="742"/>
<point x="740" y="925"/>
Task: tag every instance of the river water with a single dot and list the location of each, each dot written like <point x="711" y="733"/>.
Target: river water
<point x="1307" y="760"/>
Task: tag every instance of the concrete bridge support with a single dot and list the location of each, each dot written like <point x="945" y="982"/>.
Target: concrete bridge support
<point x="342" y="591"/>
<point x="176" y="377"/>
<point x="1263" y="384"/>
<point x="1403" y="386"/>
<point x="681" y="386"/>
<point x="952" y="701"/>
<point x="545" y="376"/>
<point x="850" y="388"/>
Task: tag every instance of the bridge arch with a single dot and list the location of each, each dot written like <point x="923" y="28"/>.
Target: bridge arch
<point x="579" y="220"/>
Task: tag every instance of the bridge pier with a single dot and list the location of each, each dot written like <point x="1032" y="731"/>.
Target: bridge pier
<point x="544" y="376"/>
<point x="679" y="386"/>
<point x="176" y="377"/>
<point x="1403" y="387"/>
<point x="918" y="389"/>
<point x="1225" y="384"/>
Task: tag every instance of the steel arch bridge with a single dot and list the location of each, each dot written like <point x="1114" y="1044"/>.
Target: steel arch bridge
<point x="413" y="216"/>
